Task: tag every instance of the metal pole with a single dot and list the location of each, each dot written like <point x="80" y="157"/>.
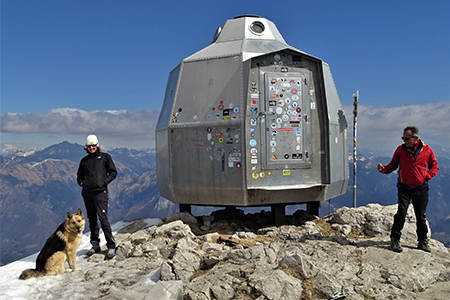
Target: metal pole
<point x="355" y="118"/>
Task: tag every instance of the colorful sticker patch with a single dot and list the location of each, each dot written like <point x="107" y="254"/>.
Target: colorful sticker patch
<point x="286" y="172"/>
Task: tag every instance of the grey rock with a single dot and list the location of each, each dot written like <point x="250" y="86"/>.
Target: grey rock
<point x="122" y="251"/>
<point x="257" y="252"/>
<point x="137" y="251"/>
<point x="325" y="284"/>
<point x="246" y="235"/>
<point x="269" y="231"/>
<point x="276" y="269"/>
<point x="175" y="230"/>
<point x="344" y="229"/>
<point x="376" y="220"/>
<point x="185" y="217"/>
<point x="270" y="255"/>
<point x="186" y="243"/>
<point x="148" y="247"/>
<point x="139" y="237"/>
<point x="222" y="291"/>
<point x="234" y="236"/>
<point x="185" y="263"/>
<point x="208" y="237"/>
<point x="167" y="271"/>
<point x="160" y="243"/>
<point x="205" y="228"/>
<point x="212" y="248"/>
<point x="276" y="285"/>
<point x="93" y="274"/>
<point x="300" y="263"/>
<point x="210" y="260"/>
<point x="207" y="220"/>
<point x="218" y="284"/>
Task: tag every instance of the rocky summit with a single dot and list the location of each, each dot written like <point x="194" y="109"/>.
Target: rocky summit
<point x="232" y="255"/>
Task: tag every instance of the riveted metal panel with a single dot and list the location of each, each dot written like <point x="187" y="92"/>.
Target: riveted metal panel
<point x="214" y="97"/>
<point x="171" y="88"/>
<point x="207" y="164"/>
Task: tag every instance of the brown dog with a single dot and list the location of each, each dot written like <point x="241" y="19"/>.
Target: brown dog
<point x="60" y="247"/>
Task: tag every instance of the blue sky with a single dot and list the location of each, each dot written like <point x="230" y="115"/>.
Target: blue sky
<point x="108" y="62"/>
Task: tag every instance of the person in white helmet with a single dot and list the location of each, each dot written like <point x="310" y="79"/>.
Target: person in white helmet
<point x="95" y="172"/>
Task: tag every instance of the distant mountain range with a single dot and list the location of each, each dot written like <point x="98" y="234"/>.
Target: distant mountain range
<point x="39" y="187"/>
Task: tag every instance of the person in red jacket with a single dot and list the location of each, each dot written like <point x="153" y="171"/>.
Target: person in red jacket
<point x="417" y="166"/>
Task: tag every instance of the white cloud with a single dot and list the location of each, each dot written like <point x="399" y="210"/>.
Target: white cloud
<point x="76" y="121"/>
<point x="382" y="127"/>
<point x="379" y="128"/>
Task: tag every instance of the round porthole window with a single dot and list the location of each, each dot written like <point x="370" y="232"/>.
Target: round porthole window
<point x="257" y="27"/>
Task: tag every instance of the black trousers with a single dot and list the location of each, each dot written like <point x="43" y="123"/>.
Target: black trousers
<point x="420" y="201"/>
<point x="97" y="206"/>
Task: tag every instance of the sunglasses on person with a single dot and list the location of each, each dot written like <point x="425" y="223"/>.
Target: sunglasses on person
<point x="406" y="138"/>
<point x="91" y="146"/>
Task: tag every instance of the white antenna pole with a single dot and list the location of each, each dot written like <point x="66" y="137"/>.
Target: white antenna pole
<point x="355" y="118"/>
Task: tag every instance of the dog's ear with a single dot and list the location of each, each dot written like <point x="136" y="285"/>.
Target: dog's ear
<point x="79" y="212"/>
<point x="69" y="215"/>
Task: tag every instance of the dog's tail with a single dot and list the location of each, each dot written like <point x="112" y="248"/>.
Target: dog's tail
<point x="30" y="273"/>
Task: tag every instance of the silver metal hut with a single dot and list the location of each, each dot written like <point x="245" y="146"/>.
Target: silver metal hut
<point x="251" y="121"/>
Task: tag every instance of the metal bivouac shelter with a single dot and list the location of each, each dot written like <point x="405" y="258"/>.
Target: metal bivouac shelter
<point x="251" y="121"/>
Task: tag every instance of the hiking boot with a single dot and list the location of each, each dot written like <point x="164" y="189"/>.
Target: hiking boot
<point x="95" y="248"/>
<point x="111" y="253"/>
<point x="423" y="245"/>
<point x="395" y="245"/>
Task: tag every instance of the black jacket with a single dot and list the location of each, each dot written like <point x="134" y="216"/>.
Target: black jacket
<point x="96" y="171"/>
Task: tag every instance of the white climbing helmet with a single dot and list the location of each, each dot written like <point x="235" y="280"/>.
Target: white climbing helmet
<point x="91" y="140"/>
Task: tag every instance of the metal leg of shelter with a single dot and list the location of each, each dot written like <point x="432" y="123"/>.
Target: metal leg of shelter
<point x="313" y="208"/>
<point x="185" y="208"/>
<point x="279" y="214"/>
<point x="230" y="209"/>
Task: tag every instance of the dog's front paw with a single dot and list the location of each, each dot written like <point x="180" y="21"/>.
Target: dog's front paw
<point x="75" y="268"/>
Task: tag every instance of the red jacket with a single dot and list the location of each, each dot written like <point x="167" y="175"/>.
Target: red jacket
<point x="416" y="167"/>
